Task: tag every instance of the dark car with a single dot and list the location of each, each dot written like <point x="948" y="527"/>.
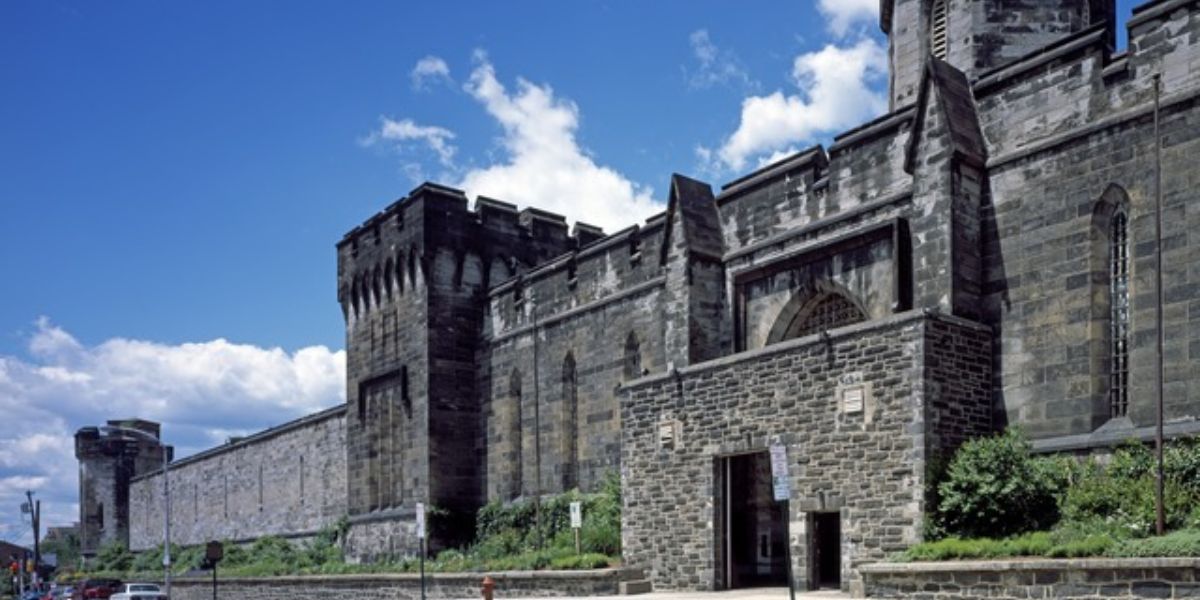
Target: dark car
<point x="98" y="588"/>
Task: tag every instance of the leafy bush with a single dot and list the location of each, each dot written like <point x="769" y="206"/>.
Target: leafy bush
<point x="995" y="487"/>
<point x="114" y="557"/>
<point x="581" y="561"/>
<point x="1122" y="493"/>
<point x="1178" y="543"/>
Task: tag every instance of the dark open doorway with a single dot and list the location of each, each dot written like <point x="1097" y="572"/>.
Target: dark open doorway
<point x="751" y="525"/>
<point x="825" y="549"/>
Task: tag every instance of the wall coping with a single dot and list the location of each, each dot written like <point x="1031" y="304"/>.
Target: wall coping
<point x="617" y="573"/>
<point x="1029" y="564"/>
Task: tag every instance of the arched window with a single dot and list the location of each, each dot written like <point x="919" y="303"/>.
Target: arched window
<point x="1109" y="325"/>
<point x="633" y="357"/>
<point x="516" y="434"/>
<point x="1118" y="290"/>
<point x="570" y="425"/>
<point x="827" y="307"/>
<point x="938" y="34"/>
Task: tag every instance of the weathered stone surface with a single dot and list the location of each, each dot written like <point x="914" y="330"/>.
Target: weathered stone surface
<point x="1060" y="578"/>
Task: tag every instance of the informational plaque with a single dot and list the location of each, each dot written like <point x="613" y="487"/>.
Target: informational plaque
<point x="852" y="399"/>
<point x="576" y="515"/>
<point x="781" y="485"/>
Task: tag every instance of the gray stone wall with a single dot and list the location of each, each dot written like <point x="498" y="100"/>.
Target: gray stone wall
<point x="869" y="465"/>
<point x="602" y="306"/>
<point x="289" y="481"/>
<point x="1082" y="137"/>
<point x="1060" y="578"/>
<point x="108" y="461"/>
<point x="525" y="584"/>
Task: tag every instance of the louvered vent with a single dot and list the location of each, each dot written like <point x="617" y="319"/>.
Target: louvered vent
<point x="938" y="29"/>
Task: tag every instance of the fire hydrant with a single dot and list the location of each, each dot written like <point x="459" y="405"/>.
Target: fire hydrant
<point x="489" y="587"/>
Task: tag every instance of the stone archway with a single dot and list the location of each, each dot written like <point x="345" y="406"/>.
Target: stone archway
<point x="823" y="307"/>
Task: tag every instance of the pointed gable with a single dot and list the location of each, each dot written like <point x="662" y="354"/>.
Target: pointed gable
<point x="958" y="109"/>
<point x="693" y="204"/>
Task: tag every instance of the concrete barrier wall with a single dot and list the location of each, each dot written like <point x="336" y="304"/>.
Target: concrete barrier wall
<point x="1043" y="578"/>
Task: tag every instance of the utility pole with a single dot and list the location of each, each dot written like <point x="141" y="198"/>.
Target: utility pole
<point x="1160" y="516"/>
<point x="35" y="510"/>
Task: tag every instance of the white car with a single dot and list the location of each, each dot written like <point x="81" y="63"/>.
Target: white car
<point x="139" y="591"/>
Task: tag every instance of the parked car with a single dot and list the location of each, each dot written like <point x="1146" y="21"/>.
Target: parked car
<point x="62" y="592"/>
<point x="98" y="589"/>
<point x="139" y="591"/>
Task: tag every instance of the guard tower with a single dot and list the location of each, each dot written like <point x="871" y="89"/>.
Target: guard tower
<point x="108" y="460"/>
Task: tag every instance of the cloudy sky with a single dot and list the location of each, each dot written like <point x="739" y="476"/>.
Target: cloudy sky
<point x="174" y="175"/>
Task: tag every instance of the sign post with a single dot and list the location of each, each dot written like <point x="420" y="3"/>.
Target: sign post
<point x="576" y="521"/>
<point x="213" y="553"/>
<point x="421" y="541"/>
<point x="781" y="486"/>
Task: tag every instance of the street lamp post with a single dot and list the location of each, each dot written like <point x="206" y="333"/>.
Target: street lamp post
<point x="166" y="495"/>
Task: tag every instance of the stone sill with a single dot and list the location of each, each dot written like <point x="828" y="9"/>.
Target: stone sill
<point x="1029" y="564"/>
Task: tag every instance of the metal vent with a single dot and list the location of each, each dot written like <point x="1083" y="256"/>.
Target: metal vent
<point x="938" y="41"/>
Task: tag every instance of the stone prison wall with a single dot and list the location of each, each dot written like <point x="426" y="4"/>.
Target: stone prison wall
<point x="289" y="481"/>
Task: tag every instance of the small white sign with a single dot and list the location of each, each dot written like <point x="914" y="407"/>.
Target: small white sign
<point x="781" y="485"/>
<point x="420" y="520"/>
<point x="576" y="515"/>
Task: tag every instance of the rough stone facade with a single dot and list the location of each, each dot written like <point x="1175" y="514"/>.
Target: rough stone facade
<point x="920" y="374"/>
<point x="980" y="256"/>
<point x="1088" y="578"/>
<point x="289" y="480"/>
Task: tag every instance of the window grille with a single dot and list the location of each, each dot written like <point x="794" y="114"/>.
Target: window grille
<point x="938" y="27"/>
<point x="1119" y="319"/>
<point x="833" y="311"/>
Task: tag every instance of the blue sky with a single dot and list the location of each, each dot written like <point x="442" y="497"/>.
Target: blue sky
<point x="174" y="175"/>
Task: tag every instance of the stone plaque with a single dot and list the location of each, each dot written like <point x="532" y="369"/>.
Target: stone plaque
<point x="852" y="399"/>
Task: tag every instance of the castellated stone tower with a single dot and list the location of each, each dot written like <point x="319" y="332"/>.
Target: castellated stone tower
<point x="412" y="284"/>
<point x="979" y="36"/>
<point x="108" y="460"/>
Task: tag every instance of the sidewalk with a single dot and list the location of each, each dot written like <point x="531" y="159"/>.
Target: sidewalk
<point x="744" y="594"/>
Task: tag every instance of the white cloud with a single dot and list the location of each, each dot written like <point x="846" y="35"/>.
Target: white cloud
<point x="406" y="130"/>
<point x="717" y="67"/>
<point x="843" y="15"/>
<point x="198" y="391"/>
<point x="835" y="92"/>
<point x="430" y="68"/>
<point x="544" y="164"/>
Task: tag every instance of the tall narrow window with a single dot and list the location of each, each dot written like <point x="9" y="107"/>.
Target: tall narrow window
<point x="1119" y="319"/>
<point x="570" y="425"/>
<point x="633" y="357"/>
<point x="937" y="29"/>
<point x="517" y="434"/>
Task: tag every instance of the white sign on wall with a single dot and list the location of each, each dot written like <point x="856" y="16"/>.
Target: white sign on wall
<point x="420" y="520"/>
